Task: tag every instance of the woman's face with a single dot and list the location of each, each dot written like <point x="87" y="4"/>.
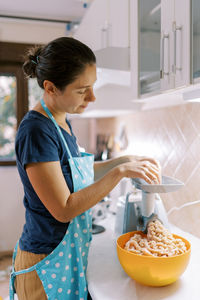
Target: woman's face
<point x="77" y="95"/>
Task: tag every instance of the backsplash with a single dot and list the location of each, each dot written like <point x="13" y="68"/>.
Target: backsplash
<point x="172" y="135"/>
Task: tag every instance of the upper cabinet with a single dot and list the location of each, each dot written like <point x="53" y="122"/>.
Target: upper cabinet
<point x="158" y="42"/>
<point x="163" y="45"/>
<point x="106" y="24"/>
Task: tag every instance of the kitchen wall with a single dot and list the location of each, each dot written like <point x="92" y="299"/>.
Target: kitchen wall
<point x="11" y="191"/>
<point x="11" y="207"/>
<point x="171" y="135"/>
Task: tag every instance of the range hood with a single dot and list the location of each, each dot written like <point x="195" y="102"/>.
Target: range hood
<point x="114" y="58"/>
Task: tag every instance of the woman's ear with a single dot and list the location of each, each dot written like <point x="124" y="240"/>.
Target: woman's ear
<point x="49" y="87"/>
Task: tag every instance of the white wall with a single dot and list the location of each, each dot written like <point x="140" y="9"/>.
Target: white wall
<point x="11" y="207"/>
<point x="11" y="191"/>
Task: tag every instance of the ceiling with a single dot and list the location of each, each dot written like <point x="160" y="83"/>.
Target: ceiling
<point x="68" y="10"/>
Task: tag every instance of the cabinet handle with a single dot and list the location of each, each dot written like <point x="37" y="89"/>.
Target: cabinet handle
<point x="109" y="35"/>
<point x="163" y="70"/>
<point x="177" y="66"/>
<point x="106" y="32"/>
<point x="103" y="37"/>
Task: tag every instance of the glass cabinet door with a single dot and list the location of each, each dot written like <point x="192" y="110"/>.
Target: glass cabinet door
<point x="149" y="46"/>
<point x="196" y="40"/>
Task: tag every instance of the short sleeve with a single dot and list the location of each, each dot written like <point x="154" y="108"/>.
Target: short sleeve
<point x="36" y="142"/>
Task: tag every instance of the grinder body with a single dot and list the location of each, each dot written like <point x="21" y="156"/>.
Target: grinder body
<point x="138" y="213"/>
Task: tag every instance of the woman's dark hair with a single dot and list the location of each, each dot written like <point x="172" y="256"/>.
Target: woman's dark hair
<point x="61" y="61"/>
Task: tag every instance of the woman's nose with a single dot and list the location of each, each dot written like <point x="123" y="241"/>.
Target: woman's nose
<point x="91" y="97"/>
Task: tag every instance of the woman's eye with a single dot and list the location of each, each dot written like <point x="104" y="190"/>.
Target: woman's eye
<point x="81" y="93"/>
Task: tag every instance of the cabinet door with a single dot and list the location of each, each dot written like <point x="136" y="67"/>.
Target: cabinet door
<point x="119" y="19"/>
<point x="196" y="40"/>
<point x="149" y="46"/>
<point x="106" y="24"/>
<point x="166" y="45"/>
<point x="182" y="45"/>
<point x="94" y="26"/>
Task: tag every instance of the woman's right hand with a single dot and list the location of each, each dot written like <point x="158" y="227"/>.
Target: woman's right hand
<point x="143" y="169"/>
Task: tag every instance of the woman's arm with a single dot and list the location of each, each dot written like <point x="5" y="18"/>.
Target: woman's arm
<point x="102" y="167"/>
<point x="50" y="186"/>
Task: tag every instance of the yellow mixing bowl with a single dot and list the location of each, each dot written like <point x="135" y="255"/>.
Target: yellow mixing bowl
<point x="151" y="270"/>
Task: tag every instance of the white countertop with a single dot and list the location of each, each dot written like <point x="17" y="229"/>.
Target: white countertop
<point x="108" y="281"/>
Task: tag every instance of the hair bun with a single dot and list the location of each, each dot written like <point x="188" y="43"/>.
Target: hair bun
<point x="31" y="61"/>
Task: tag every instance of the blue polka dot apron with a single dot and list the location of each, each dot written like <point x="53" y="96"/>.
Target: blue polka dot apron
<point x="63" y="271"/>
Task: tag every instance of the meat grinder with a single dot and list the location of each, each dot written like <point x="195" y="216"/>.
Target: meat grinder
<point x="138" y="212"/>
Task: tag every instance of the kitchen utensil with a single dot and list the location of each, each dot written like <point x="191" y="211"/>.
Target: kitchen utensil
<point x="99" y="212"/>
<point x="152" y="270"/>
<point x="137" y="213"/>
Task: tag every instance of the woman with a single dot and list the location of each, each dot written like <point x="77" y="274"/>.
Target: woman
<point x="50" y="260"/>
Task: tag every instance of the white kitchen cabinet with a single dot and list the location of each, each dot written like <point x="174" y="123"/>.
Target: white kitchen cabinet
<point x="163" y="46"/>
<point x="91" y="29"/>
<point x="106" y="24"/>
<point x="163" y="41"/>
<point x="175" y="24"/>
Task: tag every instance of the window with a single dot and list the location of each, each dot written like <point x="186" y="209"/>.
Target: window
<point x="34" y="92"/>
<point x="7" y="116"/>
<point x="17" y="96"/>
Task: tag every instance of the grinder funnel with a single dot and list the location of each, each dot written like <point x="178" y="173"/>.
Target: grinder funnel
<point x="168" y="184"/>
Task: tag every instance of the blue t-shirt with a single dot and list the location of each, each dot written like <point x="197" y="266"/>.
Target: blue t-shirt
<point x="38" y="140"/>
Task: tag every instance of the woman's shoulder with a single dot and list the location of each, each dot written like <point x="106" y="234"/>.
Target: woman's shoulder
<point x="36" y="140"/>
<point x="34" y="120"/>
<point x="36" y="126"/>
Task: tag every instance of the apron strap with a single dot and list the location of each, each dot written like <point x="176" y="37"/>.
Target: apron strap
<point x="12" y="279"/>
<point x="15" y="253"/>
<point x="15" y="273"/>
<point x="56" y="125"/>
